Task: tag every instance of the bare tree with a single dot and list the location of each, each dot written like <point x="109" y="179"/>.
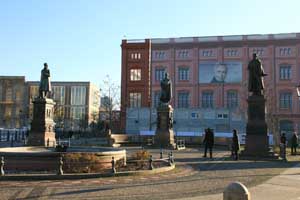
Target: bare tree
<point x="110" y="93"/>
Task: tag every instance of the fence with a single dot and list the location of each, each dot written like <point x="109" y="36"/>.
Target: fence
<point x="7" y="135"/>
<point x="60" y="164"/>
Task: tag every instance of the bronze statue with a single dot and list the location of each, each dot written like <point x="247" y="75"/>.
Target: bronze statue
<point x="45" y="84"/>
<point x="166" y="89"/>
<point x="256" y="74"/>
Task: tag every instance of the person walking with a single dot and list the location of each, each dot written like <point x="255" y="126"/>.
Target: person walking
<point x="208" y="141"/>
<point x="283" y="146"/>
<point x="235" y="146"/>
<point x="294" y="144"/>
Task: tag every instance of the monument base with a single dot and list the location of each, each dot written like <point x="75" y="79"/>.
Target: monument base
<point x="46" y="139"/>
<point x="164" y="135"/>
<point x="257" y="139"/>
<point x="42" y="125"/>
<point x="257" y="147"/>
<point x="165" y="139"/>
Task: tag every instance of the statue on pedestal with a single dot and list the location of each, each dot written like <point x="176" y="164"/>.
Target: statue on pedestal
<point x="164" y="135"/>
<point x="257" y="141"/>
<point x="45" y="84"/>
<point x="42" y="124"/>
<point x="256" y="74"/>
<point x="166" y="89"/>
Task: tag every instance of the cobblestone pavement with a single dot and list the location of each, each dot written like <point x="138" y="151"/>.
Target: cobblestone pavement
<point x="193" y="176"/>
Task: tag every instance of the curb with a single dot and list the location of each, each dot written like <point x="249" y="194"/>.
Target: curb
<point x="34" y="177"/>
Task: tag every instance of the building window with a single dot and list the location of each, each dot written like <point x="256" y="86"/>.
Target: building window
<point x="9" y="94"/>
<point x="222" y="116"/>
<point x="159" y="74"/>
<point x="232" y="99"/>
<point x="286" y="100"/>
<point x="78" y="95"/>
<point x="156" y="99"/>
<point x="59" y="94"/>
<point x="207" y="99"/>
<point x="78" y="112"/>
<point x="183" y="99"/>
<point x="135" y="74"/>
<point x="160" y="55"/>
<point x="194" y="115"/>
<point x="258" y="51"/>
<point x="183" y="54"/>
<point x="183" y="73"/>
<point x="232" y="52"/>
<point x="135" y="99"/>
<point x="285" y="72"/>
<point x="135" y="56"/>
<point x="285" y="51"/>
<point x="207" y="53"/>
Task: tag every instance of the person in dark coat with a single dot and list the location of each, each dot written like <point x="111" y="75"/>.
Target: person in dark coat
<point x="208" y="141"/>
<point x="294" y="144"/>
<point x="235" y="146"/>
<point x="283" y="146"/>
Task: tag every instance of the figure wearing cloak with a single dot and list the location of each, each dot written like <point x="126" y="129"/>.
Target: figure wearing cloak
<point x="256" y="74"/>
<point x="166" y="89"/>
<point x="45" y="84"/>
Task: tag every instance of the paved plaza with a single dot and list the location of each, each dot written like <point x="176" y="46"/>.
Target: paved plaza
<point x="195" y="177"/>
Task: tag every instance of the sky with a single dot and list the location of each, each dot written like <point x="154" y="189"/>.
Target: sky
<point x="80" y="39"/>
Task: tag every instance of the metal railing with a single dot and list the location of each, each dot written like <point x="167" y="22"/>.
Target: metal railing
<point x="180" y="144"/>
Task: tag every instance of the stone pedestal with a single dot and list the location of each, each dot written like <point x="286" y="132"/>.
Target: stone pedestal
<point x="257" y="141"/>
<point x="164" y="135"/>
<point x="42" y="125"/>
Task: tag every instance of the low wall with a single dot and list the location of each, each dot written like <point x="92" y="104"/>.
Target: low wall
<point x="49" y="160"/>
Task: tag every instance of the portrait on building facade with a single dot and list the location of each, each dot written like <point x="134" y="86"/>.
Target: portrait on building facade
<point x="226" y="72"/>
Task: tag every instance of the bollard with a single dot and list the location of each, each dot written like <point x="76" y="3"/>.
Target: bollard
<point x="236" y="191"/>
<point x="48" y="142"/>
<point x="60" y="166"/>
<point x="125" y="160"/>
<point x="2" y="166"/>
<point x="169" y="159"/>
<point x="172" y="157"/>
<point x="161" y="154"/>
<point x="150" y="163"/>
<point x="113" y="165"/>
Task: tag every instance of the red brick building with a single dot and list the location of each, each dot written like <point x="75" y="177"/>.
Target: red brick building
<point x="192" y="62"/>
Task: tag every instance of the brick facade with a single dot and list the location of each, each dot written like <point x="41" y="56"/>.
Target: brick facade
<point x="279" y="53"/>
